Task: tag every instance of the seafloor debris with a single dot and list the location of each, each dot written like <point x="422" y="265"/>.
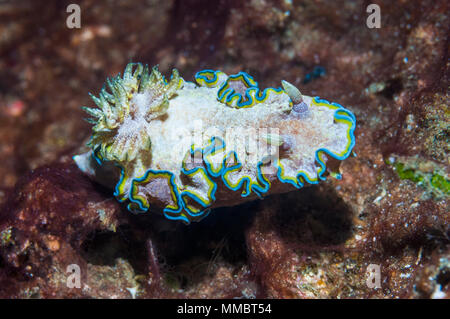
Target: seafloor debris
<point x="185" y="148"/>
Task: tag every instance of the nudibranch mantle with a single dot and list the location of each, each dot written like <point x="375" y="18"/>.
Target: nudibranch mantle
<point x="183" y="148"/>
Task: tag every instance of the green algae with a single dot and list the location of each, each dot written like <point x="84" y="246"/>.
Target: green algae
<point x="441" y="183"/>
<point x="408" y="173"/>
<point x="433" y="181"/>
<point x="6" y="237"/>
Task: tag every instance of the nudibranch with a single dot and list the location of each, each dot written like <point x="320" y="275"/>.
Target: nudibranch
<point x="182" y="148"/>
